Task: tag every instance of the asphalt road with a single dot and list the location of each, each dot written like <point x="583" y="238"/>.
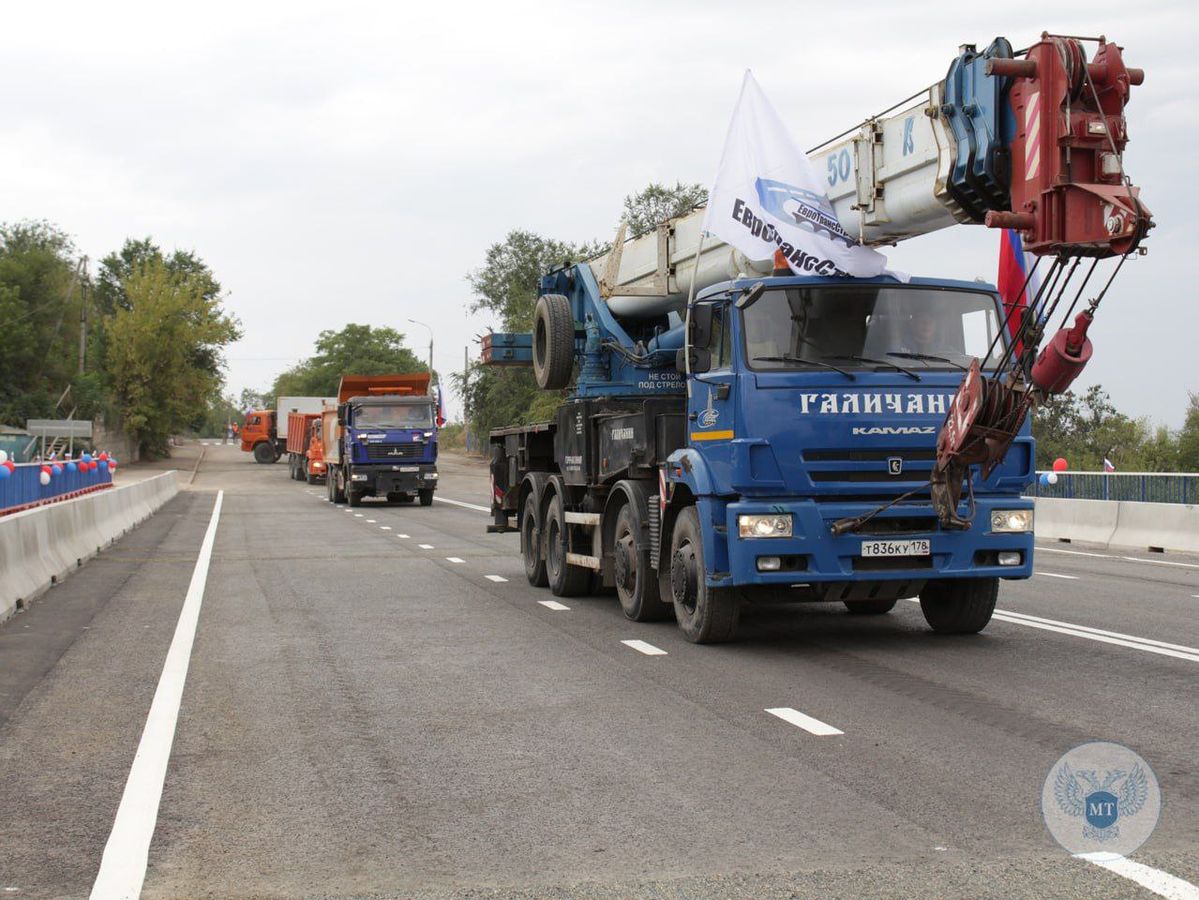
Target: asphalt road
<point x="378" y="704"/>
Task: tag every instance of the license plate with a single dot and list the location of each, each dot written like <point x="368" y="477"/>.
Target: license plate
<point x="919" y="547"/>
<point x="409" y="468"/>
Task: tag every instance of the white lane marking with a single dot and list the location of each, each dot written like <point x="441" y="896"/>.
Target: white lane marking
<point x="807" y="723"/>
<point x="370" y="522"/>
<point x="357" y="515"/>
<point x="123" y="866"/>
<point x="485" y="509"/>
<point x="1140" y="559"/>
<point x="385" y="528"/>
<point x="1055" y="575"/>
<point x="500" y="579"/>
<point x="404" y="536"/>
<point x="455" y="559"/>
<point x="425" y="546"/>
<point x="1087" y="628"/>
<point x="643" y="647"/>
<point x="1161" y="883"/>
<point x="551" y="604"/>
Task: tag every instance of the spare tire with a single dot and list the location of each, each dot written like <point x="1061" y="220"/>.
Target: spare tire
<point x="553" y="341"/>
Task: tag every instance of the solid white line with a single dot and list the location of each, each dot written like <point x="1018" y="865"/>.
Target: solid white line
<point x="551" y="604"/>
<point x="455" y="559"/>
<point x="123" y="866"/>
<point x="1103" y="639"/>
<point x="1128" y="637"/>
<point x="643" y="647"/>
<point x="500" y="579"/>
<point x="1161" y="883"/>
<point x="1140" y="559"/>
<point x="485" y="509"/>
<point x="425" y="546"/>
<point x="1055" y="575"/>
<point x="807" y="723"/>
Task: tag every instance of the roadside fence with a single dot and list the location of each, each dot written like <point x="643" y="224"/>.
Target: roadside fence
<point x="1141" y="487"/>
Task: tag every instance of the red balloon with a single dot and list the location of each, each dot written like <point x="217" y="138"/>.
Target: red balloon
<point x="1060" y="464"/>
<point x="104" y="456"/>
<point x="47" y="470"/>
<point x="10" y="465"/>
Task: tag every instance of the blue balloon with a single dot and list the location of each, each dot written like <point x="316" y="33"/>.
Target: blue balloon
<point x="4" y="473"/>
<point x="103" y="465"/>
<point x="71" y="467"/>
<point x="1044" y="479"/>
<point x="87" y="457"/>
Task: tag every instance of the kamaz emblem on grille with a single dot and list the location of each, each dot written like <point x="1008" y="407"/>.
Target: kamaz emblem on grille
<point x="895" y="465"/>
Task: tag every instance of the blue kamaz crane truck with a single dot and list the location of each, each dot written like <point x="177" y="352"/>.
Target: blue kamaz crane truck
<point x="734" y="429"/>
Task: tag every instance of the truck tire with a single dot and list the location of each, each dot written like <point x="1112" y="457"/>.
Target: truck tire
<point x="870" y="607"/>
<point x="705" y="615"/>
<point x="959" y="605"/>
<point x="337" y="493"/>
<point x="565" y="580"/>
<point x="353" y="497"/>
<point x="311" y="477"/>
<point x="530" y="544"/>
<point x="264" y="453"/>
<point x="553" y="342"/>
<point x="636" y="583"/>
<point x="426" y="496"/>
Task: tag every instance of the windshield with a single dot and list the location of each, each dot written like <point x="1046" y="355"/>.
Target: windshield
<point x="418" y="416"/>
<point x="852" y="325"/>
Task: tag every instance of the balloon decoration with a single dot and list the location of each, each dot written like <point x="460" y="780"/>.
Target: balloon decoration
<point x="4" y="472"/>
<point x="72" y="467"/>
<point x="103" y="465"/>
<point x="56" y="468"/>
<point x="1060" y="464"/>
<point x="3" y="456"/>
<point x="44" y="477"/>
<point x="1051" y="477"/>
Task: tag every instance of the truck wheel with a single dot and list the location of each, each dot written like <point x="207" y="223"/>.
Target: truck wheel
<point x="706" y="615"/>
<point x="636" y="583"/>
<point x="353" y="497"/>
<point x="530" y="545"/>
<point x="264" y="453"/>
<point x="311" y="478"/>
<point x="339" y="485"/>
<point x="553" y="341"/>
<point x="565" y="580"/>
<point x="870" y="607"/>
<point x="426" y="496"/>
<point x="959" y="605"/>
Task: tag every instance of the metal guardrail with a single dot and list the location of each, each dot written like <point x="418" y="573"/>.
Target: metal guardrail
<point x="1143" y="487"/>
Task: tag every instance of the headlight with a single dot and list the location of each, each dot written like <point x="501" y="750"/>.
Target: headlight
<point x="1011" y="520"/>
<point x="770" y="526"/>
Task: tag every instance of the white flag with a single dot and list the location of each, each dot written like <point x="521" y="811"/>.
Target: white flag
<point x="768" y="197"/>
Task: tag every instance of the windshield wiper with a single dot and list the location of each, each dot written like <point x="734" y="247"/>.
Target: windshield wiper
<point x="880" y="362"/>
<point x="807" y="362"/>
<point x="927" y="357"/>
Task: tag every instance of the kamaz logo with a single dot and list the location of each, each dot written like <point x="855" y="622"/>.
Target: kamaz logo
<point x="895" y="429"/>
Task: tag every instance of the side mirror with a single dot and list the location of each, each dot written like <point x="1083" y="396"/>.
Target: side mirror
<point x="700" y="333"/>
<point x="341" y="414"/>
<point x="701" y="360"/>
<point x="750" y="297"/>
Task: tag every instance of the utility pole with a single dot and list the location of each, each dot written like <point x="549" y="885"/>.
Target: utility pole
<point x="83" y="296"/>
<point x="430" y="330"/>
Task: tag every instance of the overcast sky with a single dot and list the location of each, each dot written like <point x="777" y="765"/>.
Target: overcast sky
<point x="340" y="163"/>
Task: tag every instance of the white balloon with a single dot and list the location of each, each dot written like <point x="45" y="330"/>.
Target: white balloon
<point x="1052" y="478"/>
<point x="44" y="478"/>
<point x="3" y="456"/>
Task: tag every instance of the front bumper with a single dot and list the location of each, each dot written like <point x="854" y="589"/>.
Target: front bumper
<point x="813" y="554"/>
<point x="393" y="479"/>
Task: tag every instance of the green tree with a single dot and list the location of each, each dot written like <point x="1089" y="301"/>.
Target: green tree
<point x="163" y="341"/>
<point x="40" y="297"/>
<point x="356" y="350"/>
<point x="644" y="210"/>
<point x="1188" y="438"/>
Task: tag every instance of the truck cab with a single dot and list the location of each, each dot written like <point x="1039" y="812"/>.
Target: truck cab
<point x="258" y="435"/>
<point x="386" y="440"/>
<point x="813" y="412"/>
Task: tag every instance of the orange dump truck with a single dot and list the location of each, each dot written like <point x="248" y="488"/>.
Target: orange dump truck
<point x="264" y="432"/>
<point x="300" y="463"/>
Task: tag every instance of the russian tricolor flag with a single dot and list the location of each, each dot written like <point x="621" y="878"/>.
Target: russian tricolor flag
<point x="1014" y="266"/>
<point x="440" y="406"/>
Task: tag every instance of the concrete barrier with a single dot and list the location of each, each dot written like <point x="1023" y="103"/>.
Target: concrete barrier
<point x="1165" y="526"/>
<point x="40" y="546"/>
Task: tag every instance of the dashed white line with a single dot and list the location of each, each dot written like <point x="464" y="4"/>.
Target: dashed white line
<point x="806" y="722"/>
<point x="643" y="647"/>
<point x="463" y="503"/>
<point x="1161" y="883"/>
<point x="385" y="528"/>
<point x="371" y="522"/>
<point x="550" y="604"/>
<point x="1055" y="575"/>
<point x="404" y="536"/>
<point x="425" y="546"/>
<point x="123" y="866"/>
<point x="455" y="559"/>
<point x="357" y="515"/>
<point x="500" y="579"/>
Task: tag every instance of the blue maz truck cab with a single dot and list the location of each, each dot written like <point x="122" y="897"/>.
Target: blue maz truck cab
<point x="386" y="439"/>
<point x="785" y="446"/>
